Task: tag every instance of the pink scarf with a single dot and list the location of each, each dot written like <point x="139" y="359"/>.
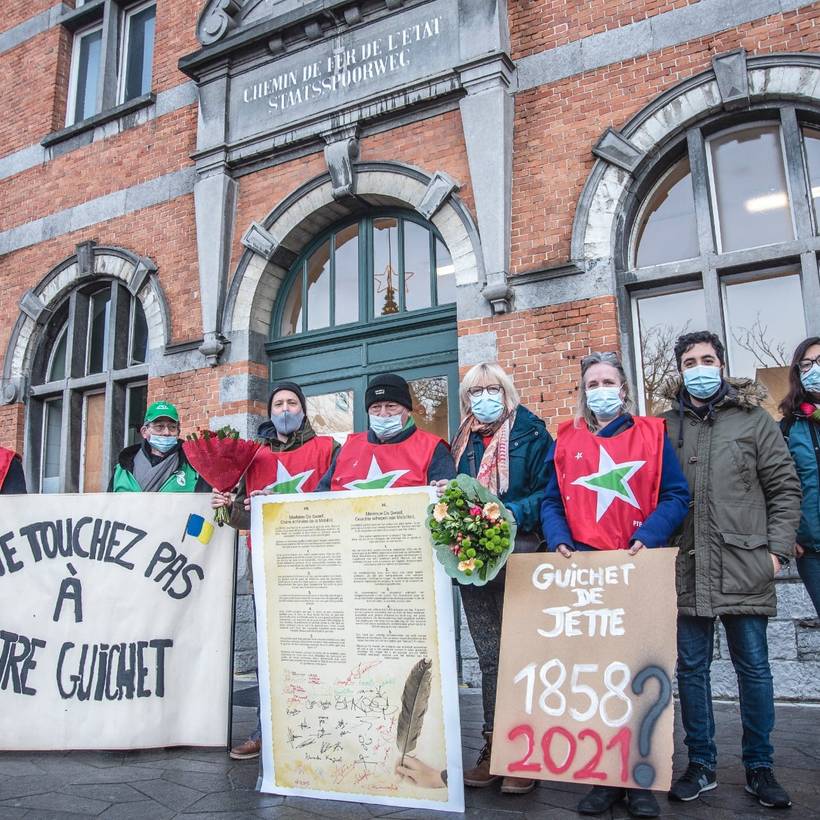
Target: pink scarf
<point x="494" y="470"/>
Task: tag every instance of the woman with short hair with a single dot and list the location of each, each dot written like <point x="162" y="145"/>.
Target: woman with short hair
<point x="504" y="446"/>
<point x="654" y="489"/>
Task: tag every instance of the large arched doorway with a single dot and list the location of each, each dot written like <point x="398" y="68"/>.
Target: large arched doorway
<point x="373" y="293"/>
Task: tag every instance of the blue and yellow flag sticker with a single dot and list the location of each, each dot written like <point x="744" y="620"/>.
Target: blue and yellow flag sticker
<point x="199" y="528"/>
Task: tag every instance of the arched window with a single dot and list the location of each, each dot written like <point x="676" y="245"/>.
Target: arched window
<point x="370" y="294"/>
<point x="725" y="237"/>
<point x="374" y="266"/>
<point x="88" y="387"/>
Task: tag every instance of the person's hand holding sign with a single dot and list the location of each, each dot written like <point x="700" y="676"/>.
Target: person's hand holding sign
<point x="636" y="547"/>
<point x="564" y="550"/>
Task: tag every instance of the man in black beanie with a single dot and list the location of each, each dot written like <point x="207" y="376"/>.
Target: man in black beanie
<point x="393" y="452"/>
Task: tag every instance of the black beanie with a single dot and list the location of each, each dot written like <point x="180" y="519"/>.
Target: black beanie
<point x="388" y="387"/>
<point x="293" y="387"/>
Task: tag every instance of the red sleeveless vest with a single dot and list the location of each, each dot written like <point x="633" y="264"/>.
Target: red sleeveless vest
<point x="6" y="457"/>
<point x="609" y="485"/>
<point x="361" y="465"/>
<point x="290" y="471"/>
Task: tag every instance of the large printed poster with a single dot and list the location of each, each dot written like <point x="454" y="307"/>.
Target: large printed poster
<point x="357" y="669"/>
<point x="588" y="650"/>
<point x="115" y="622"/>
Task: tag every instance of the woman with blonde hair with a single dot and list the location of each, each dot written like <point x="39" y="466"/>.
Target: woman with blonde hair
<point x="614" y="483"/>
<point x="504" y="446"/>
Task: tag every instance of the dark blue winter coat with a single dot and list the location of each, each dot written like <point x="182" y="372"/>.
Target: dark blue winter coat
<point x="529" y="443"/>
<point x="659" y="526"/>
<point x="801" y="447"/>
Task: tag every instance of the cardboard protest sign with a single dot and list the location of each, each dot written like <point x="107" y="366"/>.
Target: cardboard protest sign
<point x="357" y="669"/>
<point x="115" y="622"/>
<point x="588" y="651"/>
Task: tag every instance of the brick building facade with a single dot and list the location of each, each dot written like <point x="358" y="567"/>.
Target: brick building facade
<point x="202" y="196"/>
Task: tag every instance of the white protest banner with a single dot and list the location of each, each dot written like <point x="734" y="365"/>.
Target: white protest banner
<point x="115" y="621"/>
<point x="357" y="668"/>
<point x="588" y="651"/>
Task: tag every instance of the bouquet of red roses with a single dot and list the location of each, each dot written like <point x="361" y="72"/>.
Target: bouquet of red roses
<point x="221" y="458"/>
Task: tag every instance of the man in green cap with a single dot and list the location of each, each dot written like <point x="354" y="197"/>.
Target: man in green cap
<point x="158" y="464"/>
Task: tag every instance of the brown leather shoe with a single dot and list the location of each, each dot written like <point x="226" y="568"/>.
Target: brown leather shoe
<point x="517" y="785"/>
<point x="247" y="750"/>
<point x="479" y="776"/>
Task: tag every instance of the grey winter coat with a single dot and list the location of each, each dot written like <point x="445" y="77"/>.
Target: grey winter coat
<point x="746" y="503"/>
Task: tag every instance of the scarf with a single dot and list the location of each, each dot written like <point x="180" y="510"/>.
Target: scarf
<point x="151" y="477"/>
<point x="494" y="470"/>
<point x="267" y="433"/>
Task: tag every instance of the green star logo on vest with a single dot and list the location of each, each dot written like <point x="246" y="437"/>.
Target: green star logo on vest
<point x="611" y="482"/>
<point x="287" y="483"/>
<point x="376" y="478"/>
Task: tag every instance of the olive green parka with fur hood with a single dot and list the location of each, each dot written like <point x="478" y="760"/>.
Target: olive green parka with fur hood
<point x="745" y="502"/>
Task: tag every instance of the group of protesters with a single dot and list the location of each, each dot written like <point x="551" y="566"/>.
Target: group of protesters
<point x="715" y="476"/>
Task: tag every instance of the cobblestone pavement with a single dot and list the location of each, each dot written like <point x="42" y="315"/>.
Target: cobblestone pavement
<point x="196" y="784"/>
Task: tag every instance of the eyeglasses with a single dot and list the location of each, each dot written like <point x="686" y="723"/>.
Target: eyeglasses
<point x="595" y="358"/>
<point x="163" y="427"/>
<point x="806" y="364"/>
<point x="491" y="389"/>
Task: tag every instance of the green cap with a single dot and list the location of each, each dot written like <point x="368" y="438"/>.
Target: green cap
<point x="161" y="410"/>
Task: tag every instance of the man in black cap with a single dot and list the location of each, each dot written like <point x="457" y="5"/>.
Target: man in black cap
<point x="393" y="452"/>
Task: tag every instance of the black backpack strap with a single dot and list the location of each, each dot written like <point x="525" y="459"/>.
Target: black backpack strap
<point x="815" y="440"/>
<point x="786" y="426"/>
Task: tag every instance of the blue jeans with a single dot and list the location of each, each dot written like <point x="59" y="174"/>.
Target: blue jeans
<point x="809" y="568"/>
<point x="749" y="650"/>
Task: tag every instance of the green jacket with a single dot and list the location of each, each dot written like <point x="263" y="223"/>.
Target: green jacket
<point x="746" y="503"/>
<point x="183" y="480"/>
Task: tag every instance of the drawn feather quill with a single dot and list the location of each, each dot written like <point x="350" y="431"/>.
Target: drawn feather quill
<point x="414" y="702"/>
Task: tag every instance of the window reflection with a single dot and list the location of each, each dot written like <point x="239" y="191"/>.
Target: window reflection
<point x="292" y="312"/>
<point x="416" y="266"/>
<point x="56" y="367"/>
<point x="749" y="188"/>
<point x="667" y="231"/>
<point x="660" y="320"/>
<point x="98" y="328"/>
<point x="764" y="323"/>
<point x="812" y="143"/>
<point x="445" y="275"/>
<point x="346" y="264"/>
<point x="430" y="405"/>
<point x="318" y="285"/>
<point x="331" y="414"/>
<point x="52" y="446"/>
<point x="385" y="267"/>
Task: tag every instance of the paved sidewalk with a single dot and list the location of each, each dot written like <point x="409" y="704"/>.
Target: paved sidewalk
<point x="195" y="784"/>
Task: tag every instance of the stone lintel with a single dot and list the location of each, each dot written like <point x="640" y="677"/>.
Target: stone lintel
<point x="85" y="258"/>
<point x="439" y="188"/>
<point x="613" y="147"/>
<point x="145" y="267"/>
<point x="732" y="78"/>
<point x="259" y="240"/>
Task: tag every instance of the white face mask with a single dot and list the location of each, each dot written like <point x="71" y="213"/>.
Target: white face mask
<point x="386" y="426"/>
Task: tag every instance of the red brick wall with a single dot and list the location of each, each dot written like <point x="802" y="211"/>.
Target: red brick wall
<point x="135" y="156"/>
<point x="166" y="233"/>
<point x="556" y="125"/>
<point x="15" y="13"/>
<point x="196" y="394"/>
<point x="12" y="425"/>
<point x="542" y="348"/>
<point x="536" y="25"/>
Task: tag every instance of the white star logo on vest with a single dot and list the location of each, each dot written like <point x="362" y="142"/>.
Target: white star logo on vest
<point x="611" y="482"/>
<point x="376" y="478"/>
<point x="287" y="483"/>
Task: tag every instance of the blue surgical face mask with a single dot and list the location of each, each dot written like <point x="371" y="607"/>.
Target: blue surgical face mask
<point x="287" y="422"/>
<point x="487" y="408"/>
<point x="702" y="381"/>
<point x="386" y="426"/>
<point x="811" y="379"/>
<point x="162" y="443"/>
<point x="605" y="402"/>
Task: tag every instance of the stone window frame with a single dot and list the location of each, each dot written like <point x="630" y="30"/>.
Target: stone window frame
<point x="775" y="88"/>
<point x="43" y="312"/>
<point x="111" y="17"/>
